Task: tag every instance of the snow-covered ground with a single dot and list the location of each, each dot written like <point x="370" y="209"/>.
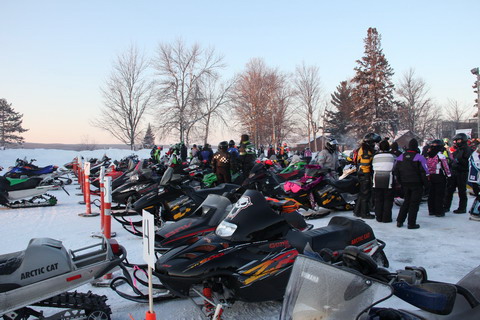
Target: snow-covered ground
<point x="447" y="247"/>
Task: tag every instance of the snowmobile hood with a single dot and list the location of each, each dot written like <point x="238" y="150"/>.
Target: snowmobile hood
<point x="252" y="219"/>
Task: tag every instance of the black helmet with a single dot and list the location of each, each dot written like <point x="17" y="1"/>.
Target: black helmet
<point x="194" y="145"/>
<point x="231" y="143"/>
<point x="460" y="136"/>
<point x="436" y="142"/>
<point x="223" y="145"/>
<point x="331" y="144"/>
<point x="371" y="138"/>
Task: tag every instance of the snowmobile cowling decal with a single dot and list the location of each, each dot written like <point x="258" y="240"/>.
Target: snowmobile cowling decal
<point x="270" y="266"/>
<point x="361" y="238"/>
<point x="39" y="271"/>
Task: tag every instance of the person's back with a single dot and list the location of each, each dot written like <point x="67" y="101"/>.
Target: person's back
<point x="382" y="165"/>
<point x="411" y="172"/>
<point x="411" y="168"/>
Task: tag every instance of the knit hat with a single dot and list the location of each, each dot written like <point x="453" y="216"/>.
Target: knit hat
<point x="384" y="145"/>
<point x="413" y="145"/>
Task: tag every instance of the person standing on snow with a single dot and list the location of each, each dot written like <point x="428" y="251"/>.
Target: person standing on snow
<point x="247" y="154"/>
<point x="439" y="171"/>
<point x="221" y="163"/>
<point x="460" y="168"/>
<point x="382" y="164"/>
<point x="328" y="158"/>
<point x="411" y="172"/>
<point x="363" y="158"/>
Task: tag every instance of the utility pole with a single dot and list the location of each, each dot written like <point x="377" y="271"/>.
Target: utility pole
<point x="475" y="71"/>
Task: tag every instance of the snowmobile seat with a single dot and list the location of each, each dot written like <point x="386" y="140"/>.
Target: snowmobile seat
<point x="349" y="185"/>
<point x="10" y="262"/>
<point x="202" y="194"/>
<point x="340" y="232"/>
<point x="9" y="184"/>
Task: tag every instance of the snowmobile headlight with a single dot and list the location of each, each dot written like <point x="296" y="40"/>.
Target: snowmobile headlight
<point x="161" y="190"/>
<point x="225" y="229"/>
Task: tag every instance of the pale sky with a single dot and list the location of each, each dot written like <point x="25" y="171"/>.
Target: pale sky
<point x="55" y="55"/>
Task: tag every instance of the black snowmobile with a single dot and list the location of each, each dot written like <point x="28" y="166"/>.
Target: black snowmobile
<point x="342" y="193"/>
<point x="250" y="255"/>
<point x="25" y="193"/>
<point x="174" y="199"/>
<point x="140" y="182"/>
<point x="350" y="290"/>
<point x="44" y="273"/>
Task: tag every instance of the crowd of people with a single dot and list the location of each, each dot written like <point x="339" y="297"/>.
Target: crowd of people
<point x="436" y="171"/>
<point x="384" y="171"/>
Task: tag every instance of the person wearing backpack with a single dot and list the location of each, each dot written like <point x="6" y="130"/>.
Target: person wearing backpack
<point x="439" y="171"/>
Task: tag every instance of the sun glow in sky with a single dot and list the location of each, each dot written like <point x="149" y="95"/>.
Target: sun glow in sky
<point x="55" y="55"/>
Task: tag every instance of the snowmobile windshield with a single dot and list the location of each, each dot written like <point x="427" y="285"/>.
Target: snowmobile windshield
<point x="167" y="176"/>
<point x="252" y="219"/>
<point x="313" y="170"/>
<point x="256" y="173"/>
<point x="471" y="282"/>
<point x="317" y="290"/>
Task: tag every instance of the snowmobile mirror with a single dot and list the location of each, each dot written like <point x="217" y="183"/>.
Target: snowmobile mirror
<point x="434" y="297"/>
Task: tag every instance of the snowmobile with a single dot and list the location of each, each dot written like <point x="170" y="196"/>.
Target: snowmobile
<point x="25" y="193"/>
<point x="177" y="198"/>
<point x="23" y="168"/>
<point x="140" y="182"/>
<point x="50" y="174"/>
<point x="342" y="193"/>
<point x="43" y="274"/>
<point x="250" y="255"/>
<point x="320" y="290"/>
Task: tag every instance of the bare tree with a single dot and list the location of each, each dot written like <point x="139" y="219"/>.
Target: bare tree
<point x="416" y="110"/>
<point x="308" y="91"/>
<point x="261" y="102"/>
<point x="213" y="105"/>
<point x="455" y="112"/>
<point x="182" y="72"/>
<point x="127" y="96"/>
<point x="88" y="143"/>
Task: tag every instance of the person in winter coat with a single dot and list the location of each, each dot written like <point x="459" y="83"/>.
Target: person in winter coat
<point x="474" y="171"/>
<point x="221" y="163"/>
<point x="459" y="174"/>
<point x="411" y="172"/>
<point x="328" y="158"/>
<point x="363" y="158"/>
<point x="394" y="149"/>
<point x="439" y="171"/>
<point x="270" y="151"/>
<point x="194" y="151"/>
<point x="206" y="154"/>
<point x="247" y="154"/>
<point x="183" y="152"/>
<point x="307" y="154"/>
<point x="382" y="164"/>
<point x="232" y="149"/>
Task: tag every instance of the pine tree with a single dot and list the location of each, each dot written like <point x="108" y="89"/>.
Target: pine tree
<point x="149" y="139"/>
<point x="338" y="122"/>
<point x="374" y="108"/>
<point x="10" y="125"/>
